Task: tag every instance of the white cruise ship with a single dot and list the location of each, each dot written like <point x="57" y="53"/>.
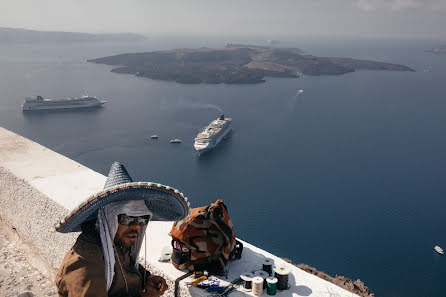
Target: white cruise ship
<point x="212" y="134"/>
<point x="40" y="103"/>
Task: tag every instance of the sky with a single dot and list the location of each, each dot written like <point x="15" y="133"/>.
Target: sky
<point x="350" y="18"/>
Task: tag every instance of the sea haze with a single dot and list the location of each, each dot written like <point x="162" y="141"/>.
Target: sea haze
<point x="349" y="177"/>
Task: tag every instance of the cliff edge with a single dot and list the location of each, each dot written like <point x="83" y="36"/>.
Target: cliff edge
<point x="357" y="287"/>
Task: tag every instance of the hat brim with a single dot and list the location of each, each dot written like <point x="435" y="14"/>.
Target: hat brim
<point x="166" y="203"/>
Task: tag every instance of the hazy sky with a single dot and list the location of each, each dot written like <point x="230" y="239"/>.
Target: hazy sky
<point x="367" y="18"/>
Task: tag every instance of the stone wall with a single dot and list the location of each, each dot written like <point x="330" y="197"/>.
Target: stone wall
<point x="27" y="217"/>
<point x="37" y="189"/>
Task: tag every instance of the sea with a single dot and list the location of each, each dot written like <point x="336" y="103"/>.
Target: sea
<point x="348" y="177"/>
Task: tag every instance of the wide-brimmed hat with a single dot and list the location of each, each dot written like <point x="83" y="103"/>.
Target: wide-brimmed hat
<point x="165" y="203"/>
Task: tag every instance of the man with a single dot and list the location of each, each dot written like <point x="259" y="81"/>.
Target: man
<point x="103" y="261"/>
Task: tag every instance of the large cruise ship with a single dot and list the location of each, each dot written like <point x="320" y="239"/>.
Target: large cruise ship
<point x="40" y="103"/>
<point x="212" y="134"/>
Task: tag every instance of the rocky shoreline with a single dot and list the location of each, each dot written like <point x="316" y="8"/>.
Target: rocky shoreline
<point x="357" y="286"/>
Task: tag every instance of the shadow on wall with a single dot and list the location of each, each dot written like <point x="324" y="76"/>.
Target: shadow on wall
<point x="303" y="291"/>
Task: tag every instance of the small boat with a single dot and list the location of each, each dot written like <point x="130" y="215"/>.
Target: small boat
<point x="299" y="92"/>
<point x="154" y="136"/>
<point x="438" y="250"/>
<point x="272" y="41"/>
<point x="176" y="140"/>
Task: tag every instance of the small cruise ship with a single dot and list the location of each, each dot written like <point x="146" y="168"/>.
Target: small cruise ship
<point x="213" y="134"/>
<point x="438" y="250"/>
<point x="40" y="103"/>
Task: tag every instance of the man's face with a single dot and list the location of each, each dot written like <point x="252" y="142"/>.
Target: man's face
<point x="126" y="235"/>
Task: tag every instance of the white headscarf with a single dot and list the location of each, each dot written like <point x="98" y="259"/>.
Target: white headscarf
<point x="108" y="225"/>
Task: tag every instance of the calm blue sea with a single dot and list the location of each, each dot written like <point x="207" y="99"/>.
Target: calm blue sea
<point x="350" y="177"/>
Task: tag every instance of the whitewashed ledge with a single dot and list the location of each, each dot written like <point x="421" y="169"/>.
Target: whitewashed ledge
<point x="38" y="187"/>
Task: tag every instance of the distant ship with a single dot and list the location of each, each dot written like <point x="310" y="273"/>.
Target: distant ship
<point x="213" y="134"/>
<point x="272" y="41"/>
<point x="40" y="103"/>
<point x="438" y="250"/>
<point x="299" y="92"/>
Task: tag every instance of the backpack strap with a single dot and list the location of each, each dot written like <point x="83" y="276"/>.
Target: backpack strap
<point x="216" y="212"/>
<point x="225" y="229"/>
<point x="236" y="253"/>
<point x="177" y="282"/>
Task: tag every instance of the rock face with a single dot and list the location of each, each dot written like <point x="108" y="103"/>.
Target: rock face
<point x="235" y="64"/>
<point x="356" y="286"/>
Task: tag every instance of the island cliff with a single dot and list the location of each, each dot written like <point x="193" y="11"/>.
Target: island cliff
<point x="15" y="35"/>
<point x="235" y="64"/>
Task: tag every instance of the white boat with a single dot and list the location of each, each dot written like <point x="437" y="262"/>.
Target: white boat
<point x="40" y="103"/>
<point x="438" y="250"/>
<point x="212" y="134"/>
<point x="299" y="92"/>
<point x="154" y="136"/>
<point x="176" y="140"/>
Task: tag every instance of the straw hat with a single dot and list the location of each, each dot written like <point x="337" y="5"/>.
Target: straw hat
<point x="165" y="203"/>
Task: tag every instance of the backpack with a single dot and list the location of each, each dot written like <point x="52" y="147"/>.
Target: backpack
<point x="205" y="240"/>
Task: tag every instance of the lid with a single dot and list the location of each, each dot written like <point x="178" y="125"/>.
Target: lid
<point x="261" y="273"/>
<point x="271" y="280"/>
<point x="257" y="280"/>
<point x="282" y="270"/>
<point x="247" y="276"/>
<point x="268" y="261"/>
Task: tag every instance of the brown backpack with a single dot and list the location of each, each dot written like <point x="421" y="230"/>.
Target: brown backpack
<point x="205" y="240"/>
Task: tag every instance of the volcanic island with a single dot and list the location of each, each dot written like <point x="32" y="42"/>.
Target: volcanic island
<point x="235" y="64"/>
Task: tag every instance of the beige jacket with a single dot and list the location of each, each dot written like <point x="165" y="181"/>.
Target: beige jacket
<point x="82" y="273"/>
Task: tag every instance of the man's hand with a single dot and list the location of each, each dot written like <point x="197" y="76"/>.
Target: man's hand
<point x="155" y="286"/>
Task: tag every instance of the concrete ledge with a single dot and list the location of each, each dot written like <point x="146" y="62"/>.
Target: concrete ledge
<point x="38" y="187"/>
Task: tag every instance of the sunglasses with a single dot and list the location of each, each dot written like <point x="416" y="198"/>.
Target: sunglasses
<point x="124" y="219"/>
